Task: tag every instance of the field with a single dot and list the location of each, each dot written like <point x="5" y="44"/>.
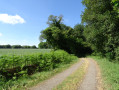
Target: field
<point x="22" y="51"/>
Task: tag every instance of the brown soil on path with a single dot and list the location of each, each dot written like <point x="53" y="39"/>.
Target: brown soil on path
<point x="92" y="79"/>
<point x="57" y="79"/>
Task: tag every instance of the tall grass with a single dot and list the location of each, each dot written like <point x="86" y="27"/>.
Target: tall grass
<point x="110" y="73"/>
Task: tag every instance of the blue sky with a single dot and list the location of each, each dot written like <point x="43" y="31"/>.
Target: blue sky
<point x="21" y="21"/>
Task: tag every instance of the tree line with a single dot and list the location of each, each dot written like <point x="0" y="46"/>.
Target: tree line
<point x="44" y="45"/>
<point x="98" y="32"/>
<point x="101" y="19"/>
<point x="17" y="47"/>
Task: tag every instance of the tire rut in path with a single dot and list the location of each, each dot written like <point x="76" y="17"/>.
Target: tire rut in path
<point x="57" y="79"/>
<point x="90" y="81"/>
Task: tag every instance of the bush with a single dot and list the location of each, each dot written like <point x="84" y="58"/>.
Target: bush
<point x="12" y="66"/>
<point x="117" y="54"/>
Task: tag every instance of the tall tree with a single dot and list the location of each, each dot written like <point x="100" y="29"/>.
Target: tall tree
<point x="60" y="36"/>
<point x="101" y="29"/>
<point x="55" y="21"/>
<point x="116" y="6"/>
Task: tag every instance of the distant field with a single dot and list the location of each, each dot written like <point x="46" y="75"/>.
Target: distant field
<point x="22" y="51"/>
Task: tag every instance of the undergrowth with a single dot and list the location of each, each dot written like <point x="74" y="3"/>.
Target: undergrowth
<point x="22" y="74"/>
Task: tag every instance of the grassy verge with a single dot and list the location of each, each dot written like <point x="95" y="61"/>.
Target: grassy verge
<point x="110" y="73"/>
<point x="73" y="81"/>
<point x="25" y="82"/>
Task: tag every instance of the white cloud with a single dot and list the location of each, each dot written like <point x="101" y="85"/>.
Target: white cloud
<point x="0" y="34"/>
<point x="5" y="18"/>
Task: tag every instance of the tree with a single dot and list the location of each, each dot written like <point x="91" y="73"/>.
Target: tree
<point x="60" y="36"/>
<point x="2" y="46"/>
<point x="27" y="47"/>
<point x="16" y="46"/>
<point x="116" y="6"/>
<point x="101" y="29"/>
<point x="55" y="21"/>
<point x="34" y="47"/>
<point x="44" y="45"/>
<point x="8" y="46"/>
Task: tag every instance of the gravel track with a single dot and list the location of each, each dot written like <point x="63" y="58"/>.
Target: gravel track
<point x="90" y="81"/>
<point x="57" y="79"/>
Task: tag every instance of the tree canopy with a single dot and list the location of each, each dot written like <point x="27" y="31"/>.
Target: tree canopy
<point x="60" y="36"/>
<point x="102" y="26"/>
<point x="99" y="30"/>
<point x="44" y="45"/>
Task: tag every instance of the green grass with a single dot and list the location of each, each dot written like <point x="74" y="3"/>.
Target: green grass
<point x="22" y="51"/>
<point x="110" y="73"/>
<point x="24" y="83"/>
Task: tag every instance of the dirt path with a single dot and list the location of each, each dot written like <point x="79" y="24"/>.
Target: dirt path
<point x="91" y="81"/>
<point x="57" y="79"/>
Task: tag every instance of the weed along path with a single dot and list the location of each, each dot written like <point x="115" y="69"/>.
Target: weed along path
<point x="92" y="79"/>
<point x="57" y="79"/>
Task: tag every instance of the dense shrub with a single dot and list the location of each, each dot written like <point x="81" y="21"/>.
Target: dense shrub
<point x="117" y="54"/>
<point x="16" y="65"/>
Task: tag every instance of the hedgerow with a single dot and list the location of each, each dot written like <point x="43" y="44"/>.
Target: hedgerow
<point x="15" y="66"/>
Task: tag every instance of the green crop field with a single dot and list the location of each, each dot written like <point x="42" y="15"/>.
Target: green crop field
<point x="22" y="51"/>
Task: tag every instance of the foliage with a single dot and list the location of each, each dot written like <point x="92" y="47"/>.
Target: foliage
<point x="55" y="21"/>
<point x="15" y="66"/>
<point x="101" y="30"/>
<point x="117" y="54"/>
<point x="5" y="46"/>
<point x="60" y="36"/>
<point x="44" y="45"/>
<point x="33" y="47"/>
<point x="26" y="82"/>
<point x="16" y="46"/>
<point x="116" y="5"/>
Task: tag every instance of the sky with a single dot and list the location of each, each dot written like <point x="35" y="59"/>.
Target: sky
<point x="21" y="21"/>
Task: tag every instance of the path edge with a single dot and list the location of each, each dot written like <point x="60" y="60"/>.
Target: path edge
<point x="98" y="76"/>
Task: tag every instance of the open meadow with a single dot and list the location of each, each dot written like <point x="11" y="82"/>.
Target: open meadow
<point x="22" y="51"/>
